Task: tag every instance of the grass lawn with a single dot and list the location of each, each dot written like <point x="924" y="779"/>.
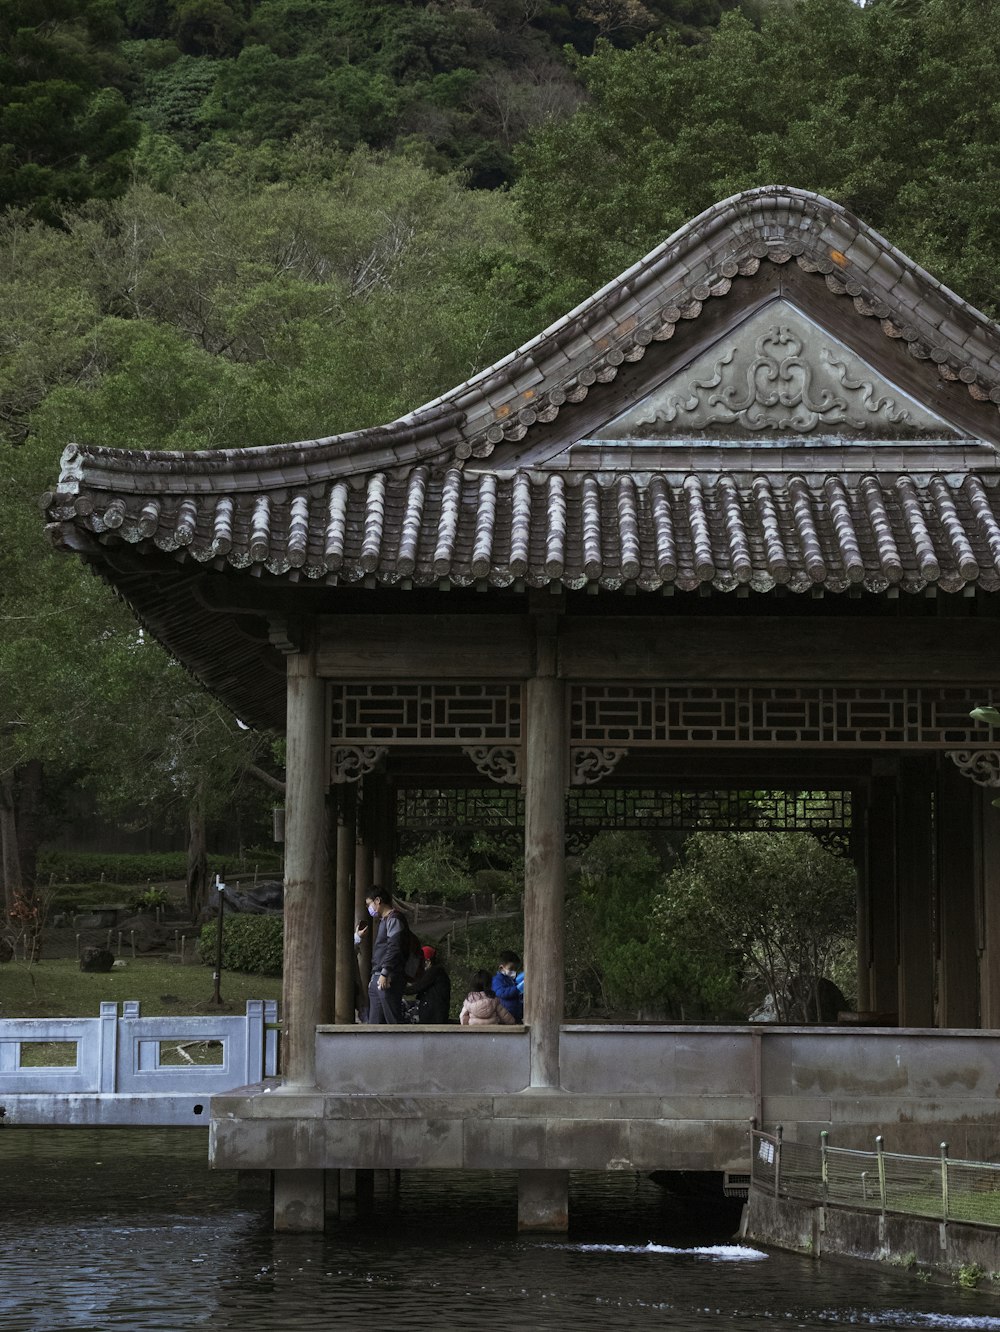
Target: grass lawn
<point x="58" y="988"/>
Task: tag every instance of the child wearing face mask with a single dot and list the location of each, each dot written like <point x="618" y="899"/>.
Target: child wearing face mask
<point x="508" y="985"/>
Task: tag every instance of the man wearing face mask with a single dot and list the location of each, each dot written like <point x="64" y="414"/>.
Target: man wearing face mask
<point x="385" y="989"/>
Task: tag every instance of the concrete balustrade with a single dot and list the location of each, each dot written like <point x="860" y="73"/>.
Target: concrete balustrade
<point x="114" y="1074"/>
<point x="631" y="1098"/>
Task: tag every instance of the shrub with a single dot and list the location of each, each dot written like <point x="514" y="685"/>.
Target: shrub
<point x="436" y="872"/>
<point x="252" y="944"/>
<point x="76" y="897"/>
<point x="153" y="899"/>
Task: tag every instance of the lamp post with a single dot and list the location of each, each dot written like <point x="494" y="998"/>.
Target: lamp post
<point x="220" y="888"/>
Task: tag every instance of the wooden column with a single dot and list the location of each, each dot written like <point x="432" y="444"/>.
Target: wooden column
<point x="380" y="830"/>
<point x="344" y="919"/>
<point x="363" y="879"/>
<point x="956" y="827"/>
<point x="545" y="758"/>
<point x="306" y="876"/>
<point x="880" y="860"/>
<point x="362" y="851"/>
<point x="327" y="978"/>
<point x="859" y="840"/>
<point x="915" y="891"/>
<point x="989" y="910"/>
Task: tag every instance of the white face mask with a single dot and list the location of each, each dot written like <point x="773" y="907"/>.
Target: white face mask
<point x="372" y="910"/>
<point x="357" y="939"/>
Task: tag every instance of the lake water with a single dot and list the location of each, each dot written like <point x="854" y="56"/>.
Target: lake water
<point x="108" y="1229"/>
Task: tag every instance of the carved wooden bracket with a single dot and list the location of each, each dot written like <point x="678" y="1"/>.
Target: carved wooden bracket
<point x="349" y="763"/>
<point x="500" y="763"/>
<point x="980" y="765"/>
<point x="590" y="765"/>
<point x="285" y="633"/>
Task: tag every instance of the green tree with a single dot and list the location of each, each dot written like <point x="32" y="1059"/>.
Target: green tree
<point x="894" y="114"/>
<point x="778" y="905"/>
<point x="435" y="872"/>
<point x="616" y="942"/>
<point x="65" y="130"/>
<point x="227" y="312"/>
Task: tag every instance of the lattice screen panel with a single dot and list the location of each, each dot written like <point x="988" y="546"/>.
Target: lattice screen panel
<point x="827" y="814"/>
<point x="425" y="714"/>
<point x="645" y="716"/>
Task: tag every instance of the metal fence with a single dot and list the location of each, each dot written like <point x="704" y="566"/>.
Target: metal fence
<point x="880" y="1181"/>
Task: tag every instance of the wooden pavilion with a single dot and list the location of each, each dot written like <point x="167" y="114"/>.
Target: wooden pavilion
<point x="733" y="521"/>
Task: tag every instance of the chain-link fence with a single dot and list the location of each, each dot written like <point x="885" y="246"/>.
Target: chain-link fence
<point x="881" y="1181"/>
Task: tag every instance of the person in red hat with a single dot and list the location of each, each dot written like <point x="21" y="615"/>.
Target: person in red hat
<point x="432" y="989"/>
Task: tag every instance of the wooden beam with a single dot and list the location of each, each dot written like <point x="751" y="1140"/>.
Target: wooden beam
<point x="771" y="649"/>
<point x="425" y="647"/>
<point x="678" y="648"/>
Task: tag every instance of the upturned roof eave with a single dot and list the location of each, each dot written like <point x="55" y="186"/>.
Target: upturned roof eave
<point x="469" y="419"/>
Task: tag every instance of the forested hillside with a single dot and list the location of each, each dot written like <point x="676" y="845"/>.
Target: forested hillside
<point x="231" y="223"/>
<point x="92" y="88"/>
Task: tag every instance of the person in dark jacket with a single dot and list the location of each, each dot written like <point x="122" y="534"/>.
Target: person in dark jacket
<point x="432" y="989"/>
<point x="508" y="985"/>
<point x="388" y="979"/>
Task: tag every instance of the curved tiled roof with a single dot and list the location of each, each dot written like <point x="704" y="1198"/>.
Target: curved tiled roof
<point x="506" y="479"/>
<point x="422" y="528"/>
<point x="587" y="347"/>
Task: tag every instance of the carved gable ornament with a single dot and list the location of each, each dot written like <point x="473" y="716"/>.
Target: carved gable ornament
<point x="778" y="372"/>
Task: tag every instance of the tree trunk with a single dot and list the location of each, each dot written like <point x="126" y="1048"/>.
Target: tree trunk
<point x="29" y="828"/>
<point x="10" y="860"/>
<point x="197" y="858"/>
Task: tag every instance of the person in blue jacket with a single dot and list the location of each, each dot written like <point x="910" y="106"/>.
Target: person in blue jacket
<point x="508" y="985"/>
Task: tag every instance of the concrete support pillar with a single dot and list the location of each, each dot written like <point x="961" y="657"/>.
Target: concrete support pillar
<point x="331" y="1194"/>
<point x="956" y="828"/>
<point x="989" y="911"/>
<point x="544" y="779"/>
<point x="346" y="965"/>
<point x="915" y="891"/>
<point x="543" y="1201"/>
<point x="299" y="1205"/>
<point x="306" y="875"/>
<point x="880" y="861"/>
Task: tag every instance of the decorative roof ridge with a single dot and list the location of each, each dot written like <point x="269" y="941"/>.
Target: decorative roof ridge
<point x="774" y="223"/>
<point x="588" y="345"/>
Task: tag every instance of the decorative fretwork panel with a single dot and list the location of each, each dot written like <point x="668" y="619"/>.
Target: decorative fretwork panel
<point x="425" y="714"/>
<point x="472" y="806"/>
<point x="705" y="715"/>
<point x="591" y="810"/>
<point x="709" y="811"/>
